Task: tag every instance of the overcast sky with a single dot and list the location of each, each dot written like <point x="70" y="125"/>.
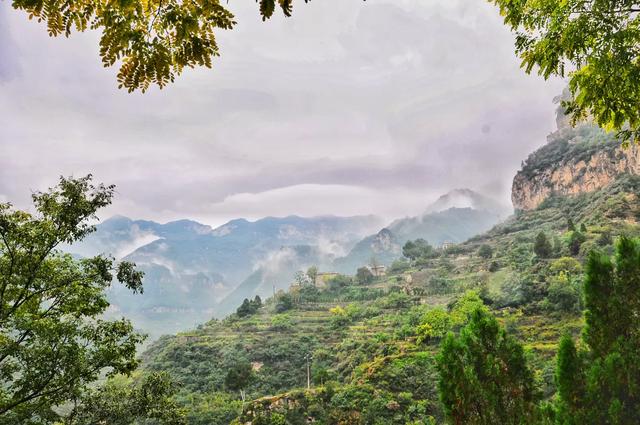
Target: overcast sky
<point x="349" y="107"/>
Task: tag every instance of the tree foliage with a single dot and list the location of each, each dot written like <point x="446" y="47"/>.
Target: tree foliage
<point x="364" y="276"/>
<point x="601" y="385"/>
<point x="542" y="247"/>
<point x="485" y="251"/>
<point x="152" y="41"/>
<point x="484" y="377"/>
<point x="596" y="43"/>
<point x="53" y="339"/>
<point x="127" y="403"/>
<point x="417" y="249"/>
<point x="249" y="307"/>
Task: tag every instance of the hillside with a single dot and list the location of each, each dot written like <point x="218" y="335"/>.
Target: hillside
<point x="373" y="344"/>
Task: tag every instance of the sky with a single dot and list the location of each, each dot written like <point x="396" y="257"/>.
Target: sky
<point x="346" y="108"/>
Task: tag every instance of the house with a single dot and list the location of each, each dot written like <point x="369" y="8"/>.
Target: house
<point x="378" y="270"/>
<point x="446" y="245"/>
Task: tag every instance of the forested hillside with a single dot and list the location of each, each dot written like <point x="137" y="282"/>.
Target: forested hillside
<point x="373" y="342"/>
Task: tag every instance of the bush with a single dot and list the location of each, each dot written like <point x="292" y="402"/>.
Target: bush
<point x="284" y="303"/>
<point x="564" y="294"/>
<point x="281" y="322"/>
<point x="576" y="239"/>
<point x="364" y="276"/>
<point x="436" y="324"/>
<point x="494" y="266"/>
<point x="485" y="251"/>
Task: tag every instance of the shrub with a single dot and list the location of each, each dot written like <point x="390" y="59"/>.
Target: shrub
<point x="485" y="251"/>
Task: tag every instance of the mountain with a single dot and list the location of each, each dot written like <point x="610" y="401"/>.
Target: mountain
<point x="454" y="217"/>
<point x="575" y="160"/>
<point x="373" y="347"/>
<point x="191" y="267"/>
<point x="467" y="198"/>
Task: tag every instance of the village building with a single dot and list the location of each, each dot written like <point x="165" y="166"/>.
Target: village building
<point x="446" y="245"/>
<point x="378" y="270"/>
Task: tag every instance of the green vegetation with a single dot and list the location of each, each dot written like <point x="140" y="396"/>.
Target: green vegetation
<point x="596" y="42"/>
<point x="249" y="307"/>
<point x="54" y="343"/>
<point x="482" y="333"/>
<point x="484" y="377"/>
<point x="599" y="383"/>
<point x="122" y="401"/>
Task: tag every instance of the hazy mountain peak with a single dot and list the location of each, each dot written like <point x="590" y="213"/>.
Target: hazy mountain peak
<point x="466" y="198"/>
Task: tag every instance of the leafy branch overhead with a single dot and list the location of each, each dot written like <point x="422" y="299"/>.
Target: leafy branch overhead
<point x="596" y="43"/>
<point x="152" y="40"/>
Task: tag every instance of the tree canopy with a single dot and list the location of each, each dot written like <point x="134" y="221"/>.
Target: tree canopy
<point x="596" y="43"/>
<point x="601" y="385"/>
<point x="484" y="376"/>
<point x="151" y="40"/>
<point x="53" y="339"/>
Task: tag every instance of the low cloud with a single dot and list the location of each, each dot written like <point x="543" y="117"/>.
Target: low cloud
<point x="346" y="108"/>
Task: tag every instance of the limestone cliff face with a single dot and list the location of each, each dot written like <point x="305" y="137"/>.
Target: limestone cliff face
<point x="580" y="166"/>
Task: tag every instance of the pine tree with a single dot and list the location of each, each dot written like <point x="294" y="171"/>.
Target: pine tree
<point x="484" y="377"/>
<point x="542" y="246"/>
<point x="611" y="365"/>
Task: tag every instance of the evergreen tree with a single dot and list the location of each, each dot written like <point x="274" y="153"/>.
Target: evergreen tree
<point x="604" y="388"/>
<point x="571" y="227"/>
<point x="542" y="246"/>
<point x="239" y="377"/>
<point x="576" y="239"/>
<point x="484" y="377"/>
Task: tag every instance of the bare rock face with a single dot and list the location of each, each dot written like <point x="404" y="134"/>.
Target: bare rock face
<point x="575" y="171"/>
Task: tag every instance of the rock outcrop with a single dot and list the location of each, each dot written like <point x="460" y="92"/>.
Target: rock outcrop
<point x="586" y="160"/>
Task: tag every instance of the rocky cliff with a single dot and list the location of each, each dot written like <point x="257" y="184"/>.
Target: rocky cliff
<point x="575" y="160"/>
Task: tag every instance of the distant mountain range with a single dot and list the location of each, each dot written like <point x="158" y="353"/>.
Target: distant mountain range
<point x="190" y="267"/>
<point x="194" y="272"/>
<point x="454" y="217"/>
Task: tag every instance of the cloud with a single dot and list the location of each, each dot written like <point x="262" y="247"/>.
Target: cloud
<point x="347" y="107"/>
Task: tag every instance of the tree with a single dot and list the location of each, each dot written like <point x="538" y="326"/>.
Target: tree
<point x="416" y="249"/>
<point x="284" y="303"/>
<point x="121" y="402"/>
<point x="576" y="239"/>
<point x="600" y="385"/>
<point x="312" y="274"/>
<point x="485" y="251"/>
<point x="571" y="227"/>
<point x="596" y="42"/>
<point x="484" y="377"/>
<point x="364" y="276"/>
<point x="583" y="228"/>
<point x="53" y="339"/>
<point x="248" y="308"/>
<point x="542" y="247"/>
<point x="239" y="377"/>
